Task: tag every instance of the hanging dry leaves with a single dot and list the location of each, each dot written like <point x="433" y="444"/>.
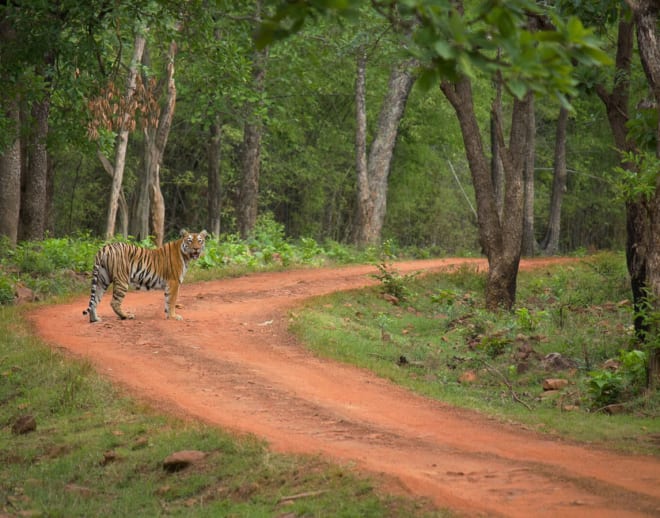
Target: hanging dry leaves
<point x="112" y="111"/>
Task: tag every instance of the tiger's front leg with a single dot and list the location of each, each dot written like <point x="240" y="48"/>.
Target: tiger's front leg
<point x="118" y="293"/>
<point x="171" y="294"/>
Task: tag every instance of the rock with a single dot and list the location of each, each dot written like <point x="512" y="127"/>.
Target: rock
<point x="554" y="384"/>
<point x="23" y="294"/>
<point x="108" y="457"/>
<point x="391" y="299"/>
<point x="24" y="424"/>
<point x="182" y="459"/>
<point x="616" y="408"/>
<point x="612" y="365"/>
<point x="467" y="377"/>
<point x="549" y="394"/>
<point x="556" y="362"/>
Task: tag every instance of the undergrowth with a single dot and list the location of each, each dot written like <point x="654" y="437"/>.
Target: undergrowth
<point x="57" y="266"/>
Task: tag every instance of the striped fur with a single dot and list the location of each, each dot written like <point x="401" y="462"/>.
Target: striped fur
<point x="124" y="265"/>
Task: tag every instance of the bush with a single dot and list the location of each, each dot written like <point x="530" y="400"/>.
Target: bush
<point x="607" y="386"/>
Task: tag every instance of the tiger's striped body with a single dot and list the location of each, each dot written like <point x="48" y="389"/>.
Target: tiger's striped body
<point x="124" y="265"/>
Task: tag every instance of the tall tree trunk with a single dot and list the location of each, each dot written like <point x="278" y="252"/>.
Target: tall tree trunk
<point x="616" y="107"/>
<point x="140" y="205"/>
<point x="373" y="191"/>
<point x="156" y="141"/>
<point x="550" y="243"/>
<point x="10" y="177"/>
<point x="647" y="14"/>
<point x="497" y="171"/>
<point x="140" y="199"/>
<point x="148" y="202"/>
<point x="501" y="240"/>
<point x="122" y="206"/>
<point x="251" y="151"/>
<point x="529" y="245"/>
<point x="365" y="204"/>
<point x="121" y="143"/>
<point x="214" y="178"/>
<point x="35" y="184"/>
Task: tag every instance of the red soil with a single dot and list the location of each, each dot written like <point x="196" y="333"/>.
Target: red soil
<point x="232" y="363"/>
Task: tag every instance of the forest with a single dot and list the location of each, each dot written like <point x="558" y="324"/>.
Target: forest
<point x="462" y="127"/>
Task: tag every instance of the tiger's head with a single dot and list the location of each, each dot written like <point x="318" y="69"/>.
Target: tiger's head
<point x="192" y="244"/>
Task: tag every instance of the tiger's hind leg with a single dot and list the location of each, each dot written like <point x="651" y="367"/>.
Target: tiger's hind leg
<point x="100" y="283"/>
<point x="120" y="287"/>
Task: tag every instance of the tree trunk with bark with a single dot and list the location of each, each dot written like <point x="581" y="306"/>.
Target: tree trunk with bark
<point x="373" y="172"/>
<point x="550" y="243"/>
<point x="529" y="244"/>
<point x="150" y="204"/>
<point x="251" y="160"/>
<point x="365" y="205"/>
<point x="10" y="177"/>
<point x="122" y="204"/>
<point x="214" y="179"/>
<point x="121" y="143"/>
<point x="35" y="183"/>
<point x="647" y="14"/>
<point x="158" y="141"/>
<point x="616" y="107"/>
<point x="501" y="239"/>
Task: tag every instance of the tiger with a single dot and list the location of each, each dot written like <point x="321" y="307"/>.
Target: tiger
<point x="124" y="264"/>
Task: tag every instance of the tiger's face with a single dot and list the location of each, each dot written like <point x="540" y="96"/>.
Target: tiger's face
<point x="193" y="244"/>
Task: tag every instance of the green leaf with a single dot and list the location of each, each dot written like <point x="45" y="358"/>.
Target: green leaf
<point x="444" y="49"/>
<point x="517" y="88"/>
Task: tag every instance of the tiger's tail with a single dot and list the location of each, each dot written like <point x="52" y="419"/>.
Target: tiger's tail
<point x="95" y="296"/>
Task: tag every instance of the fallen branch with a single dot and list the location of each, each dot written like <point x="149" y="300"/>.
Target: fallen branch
<point x="506" y="382"/>
<point x="307" y="494"/>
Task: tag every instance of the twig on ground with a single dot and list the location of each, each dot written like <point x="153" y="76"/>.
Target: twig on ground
<point x="506" y="382"/>
<point x="298" y="496"/>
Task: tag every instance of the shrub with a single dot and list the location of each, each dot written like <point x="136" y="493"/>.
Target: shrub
<point x="613" y="386"/>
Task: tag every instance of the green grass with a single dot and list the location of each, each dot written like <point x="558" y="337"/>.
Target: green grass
<point x="95" y="452"/>
<point x="440" y="333"/>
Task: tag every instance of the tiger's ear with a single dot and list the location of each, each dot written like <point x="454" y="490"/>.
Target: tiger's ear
<point x="183" y="232"/>
<point x="204" y="234"/>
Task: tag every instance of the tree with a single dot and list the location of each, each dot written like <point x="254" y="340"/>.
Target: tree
<point x="647" y="17"/>
<point x="373" y="170"/>
<point x="10" y="176"/>
<point x="149" y="205"/>
<point x="550" y="243"/>
<point x="501" y="238"/>
<point x="529" y="245"/>
<point x="35" y="173"/>
<point x="126" y="124"/>
<point x="251" y="150"/>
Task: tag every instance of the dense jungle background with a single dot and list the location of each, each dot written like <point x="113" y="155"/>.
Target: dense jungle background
<point x="298" y="100"/>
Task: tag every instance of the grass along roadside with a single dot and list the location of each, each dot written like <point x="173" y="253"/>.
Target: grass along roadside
<point x="431" y="335"/>
<point x="96" y="452"/>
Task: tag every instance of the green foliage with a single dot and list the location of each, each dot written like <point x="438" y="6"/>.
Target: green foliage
<point x="528" y="321"/>
<point x="47" y="267"/>
<point x="639" y="179"/>
<point x="6" y="290"/>
<point x="450" y="43"/>
<point x="618" y="383"/>
<point x="393" y="283"/>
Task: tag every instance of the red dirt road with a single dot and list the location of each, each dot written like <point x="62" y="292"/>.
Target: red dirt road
<point x="231" y="363"/>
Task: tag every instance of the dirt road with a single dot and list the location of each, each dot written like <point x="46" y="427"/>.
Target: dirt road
<point x="232" y="363"/>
